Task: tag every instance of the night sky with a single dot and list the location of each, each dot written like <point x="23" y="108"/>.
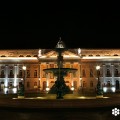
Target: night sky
<point x="84" y="25"/>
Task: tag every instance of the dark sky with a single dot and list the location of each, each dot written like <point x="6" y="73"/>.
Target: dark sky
<point x="84" y="25"/>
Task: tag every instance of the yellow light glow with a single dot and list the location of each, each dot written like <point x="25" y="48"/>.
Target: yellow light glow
<point x="79" y="51"/>
<point x="72" y="88"/>
<point x="47" y="89"/>
<point x="97" y="67"/>
<point x="24" y="67"/>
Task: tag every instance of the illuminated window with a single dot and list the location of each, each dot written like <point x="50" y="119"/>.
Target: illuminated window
<point x="51" y="75"/>
<point x="51" y="65"/>
<point x="35" y="83"/>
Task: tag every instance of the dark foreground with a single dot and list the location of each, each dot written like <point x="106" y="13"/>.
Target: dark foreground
<point x="58" y="114"/>
<point x="51" y="109"/>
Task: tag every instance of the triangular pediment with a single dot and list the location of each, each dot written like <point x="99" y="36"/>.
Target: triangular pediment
<point x="66" y="53"/>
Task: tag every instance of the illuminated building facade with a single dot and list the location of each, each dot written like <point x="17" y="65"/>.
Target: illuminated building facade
<point x="35" y="60"/>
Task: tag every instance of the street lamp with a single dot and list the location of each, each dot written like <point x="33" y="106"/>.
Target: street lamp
<point x="38" y="57"/>
<point x="24" y="69"/>
<point x="99" y="92"/>
<point x="21" y="91"/>
<point x="80" y="55"/>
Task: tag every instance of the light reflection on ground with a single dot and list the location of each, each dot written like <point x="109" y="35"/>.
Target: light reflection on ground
<point x="52" y="97"/>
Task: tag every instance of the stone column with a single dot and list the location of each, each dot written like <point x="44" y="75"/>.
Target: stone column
<point x="6" y="75"/>
<point x="112" y="73"/>
<point x="71" y="77"/>
<point x="104" y="72"/>
<point x="39" y="75"/>
<point x="15" y="75"/>
<point x="47" y="82"/>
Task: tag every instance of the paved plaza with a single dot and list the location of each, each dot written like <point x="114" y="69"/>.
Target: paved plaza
<point x="69" y="101"/>
<point x="69" y="108"/>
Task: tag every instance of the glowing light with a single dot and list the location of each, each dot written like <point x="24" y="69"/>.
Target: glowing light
<point x="80" y="78"/>
<point x="104" y="89"/>
<point x="72" y="88"/>
<point x="113" y="89"/>
<point x="5" y="90"/>
<point x="6" y="83"/>
<point x="97" y="67"/>
<point x="14" y="90"/>
<point x="79" y="51"/>
<point x="24" y="67"/>
<point x="47" y="83"/>
<point x="39" y="53"/>
<point x="15" y="82"/>
<point x="47" y="88"/>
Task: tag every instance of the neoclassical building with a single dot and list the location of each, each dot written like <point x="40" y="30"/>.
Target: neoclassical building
<point x="84" y="60"/>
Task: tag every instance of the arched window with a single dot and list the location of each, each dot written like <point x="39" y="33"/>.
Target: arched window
<point x="11" y="73"/>
<point x="84" y="84"/>
<point x="116" y="72"/>
<point x="108" y="83"/>
<point x="20" y="73"/>
<point x="117" y="85"/>
<point x="83" y="73"/>
<point x="91" y="73"/>
<point x="2" y="72"/>
<point x="108" y="72"/>
<point x="35" y="73"/>
<point x="35" y="83"/>
<point x="28" y="73"/>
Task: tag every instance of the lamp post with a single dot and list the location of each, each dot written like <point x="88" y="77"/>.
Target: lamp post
<point x="24" y="69"/>
<point x="21" y="91"/>
<point x="80" y="55"/>
<point x="38" y="57"/>
<point x="99" y="92"/>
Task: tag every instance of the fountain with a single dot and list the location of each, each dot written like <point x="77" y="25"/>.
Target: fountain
<point x="60" y="88"/>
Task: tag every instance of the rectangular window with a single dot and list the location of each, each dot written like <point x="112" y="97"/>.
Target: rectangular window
<point x="28" y="73"/>
<point x="20" y="73"/>
<point x="35" y="74"/>
<point x="43" y="66"/>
